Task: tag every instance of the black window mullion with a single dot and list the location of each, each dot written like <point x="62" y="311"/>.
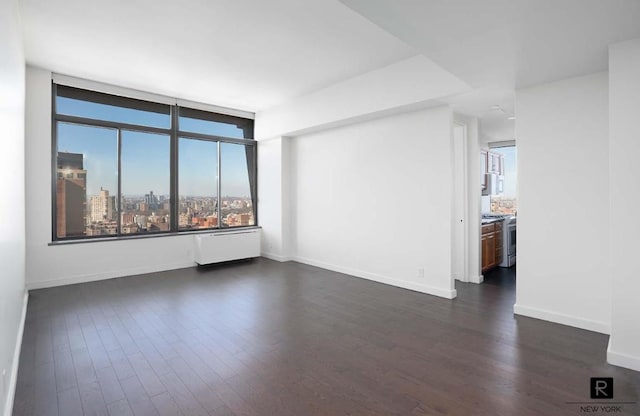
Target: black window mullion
<point x="111" y="99"/>
<point x="219" y="185"/>
<point x="254" y="187"/>
<point x="173" y="186"/>
<point x="174" y="133"/>
<point x="119" y="193"/>
<point x="213" y="137"/>
<point x="244" y="124"/>
<point x="54" y="164"/>
<point x="109" y="124"/>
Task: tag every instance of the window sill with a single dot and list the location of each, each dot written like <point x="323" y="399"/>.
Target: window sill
<point x="156" y="235"/>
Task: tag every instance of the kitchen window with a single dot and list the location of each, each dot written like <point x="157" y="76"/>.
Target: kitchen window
<point x="124" y="166"/>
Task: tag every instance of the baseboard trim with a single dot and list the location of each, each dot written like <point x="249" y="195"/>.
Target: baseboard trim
<point x="476" y="279"/>
<point x="622" y="360"/>
<point x="13" y="381"/>
<point x="276" y="257"/>
<point x="42" y="284"/>
<point x="563" y="319"/>
<point x="430" y="290"/>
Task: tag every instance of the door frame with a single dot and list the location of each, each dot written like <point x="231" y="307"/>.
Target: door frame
<point x="459" y="206"/>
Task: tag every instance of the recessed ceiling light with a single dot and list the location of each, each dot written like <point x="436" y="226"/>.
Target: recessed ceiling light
<point x="511" y="118"/>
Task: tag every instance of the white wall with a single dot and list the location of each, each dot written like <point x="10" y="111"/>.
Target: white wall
<point x="473" y="269"/>
<point x="63" y="264"/>
<point x="12" y="233"/>
<point x="563" y="202"/>
<point x="624" y="112"/>
<point x="273" y="198"/>
<point x="374" y="200"/>
<point x="412" y="83"/>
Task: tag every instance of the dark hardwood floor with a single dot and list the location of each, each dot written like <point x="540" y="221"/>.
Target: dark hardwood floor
<point x="503" y="277"/>
<point x="286" y="339"/>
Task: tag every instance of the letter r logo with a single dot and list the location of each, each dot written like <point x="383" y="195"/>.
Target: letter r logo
<point x="602" y="387"/>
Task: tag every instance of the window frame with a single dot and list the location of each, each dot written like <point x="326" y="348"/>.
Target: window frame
<point x="174" y="134"/>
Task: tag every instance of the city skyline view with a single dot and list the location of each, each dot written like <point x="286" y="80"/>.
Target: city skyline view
<point x="79" y="214"/>
<point x="89" y="201"/>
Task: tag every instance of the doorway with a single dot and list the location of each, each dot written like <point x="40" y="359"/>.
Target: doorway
<point x="499" y="208"/>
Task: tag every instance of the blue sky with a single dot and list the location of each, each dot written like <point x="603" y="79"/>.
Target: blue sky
<point x="145" y="156"/>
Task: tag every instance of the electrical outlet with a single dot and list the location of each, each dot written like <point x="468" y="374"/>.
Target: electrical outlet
<point x="420" y="271"/>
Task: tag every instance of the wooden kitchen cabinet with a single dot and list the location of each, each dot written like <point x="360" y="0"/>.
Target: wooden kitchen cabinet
<point x="498" y="232"/>
<point x="488" y="251"/>
<point x="491" y="245"/>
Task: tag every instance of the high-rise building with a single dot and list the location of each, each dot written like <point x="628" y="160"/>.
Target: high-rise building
<point x="103" y="206"/>
<point x="151" y="200"/>
<point x="71" y="195"/>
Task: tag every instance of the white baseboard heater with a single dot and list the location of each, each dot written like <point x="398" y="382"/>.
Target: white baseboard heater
<point x="226" y="246"/>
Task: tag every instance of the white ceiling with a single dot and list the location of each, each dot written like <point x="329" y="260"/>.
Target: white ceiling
<point x="256" y="54"/>
<point x="509" y="43"/>
<point x="493" y="107"/>
<point x="244" y="54"/>
<point x="500" y="45"/>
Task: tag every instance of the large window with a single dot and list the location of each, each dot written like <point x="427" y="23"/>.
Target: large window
<point x="235" y="187"/>
<point x="198" y="184"/>
<point x="124" y="166"/>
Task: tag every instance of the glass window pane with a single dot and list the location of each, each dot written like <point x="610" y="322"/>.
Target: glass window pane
<point x="210" y="127"/>
<point x="145" y="167"/>
<point x="87" y="181"/>
<point x="98" y="106"/>
<point x="236" y="202"/>
<point x="204" y="122"/>
<point x="197" y="184"/>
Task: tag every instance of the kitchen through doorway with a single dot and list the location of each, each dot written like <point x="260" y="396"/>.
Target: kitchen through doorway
<point x="499" y="208"/>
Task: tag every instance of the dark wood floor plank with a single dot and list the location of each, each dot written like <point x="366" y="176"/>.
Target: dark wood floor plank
<point x="120" y="408"/>
<point x="45" y="400"/>
<point x="69" y="403"/>
<point x="85" y="373"/>
<point x="197" y="386"/>
<point x="64" y="370"/>
<point x="92" y="400"/>
<point x="121" y="364"/>
<point x="110" y="385"/>
<point x="265" y="338"/>
<point x="166" y="406"/>
<point x="137" y="397"/>
<point x="146" y="375"/>
<point x="233" y="401"/>
<point x="182" y="396"/>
